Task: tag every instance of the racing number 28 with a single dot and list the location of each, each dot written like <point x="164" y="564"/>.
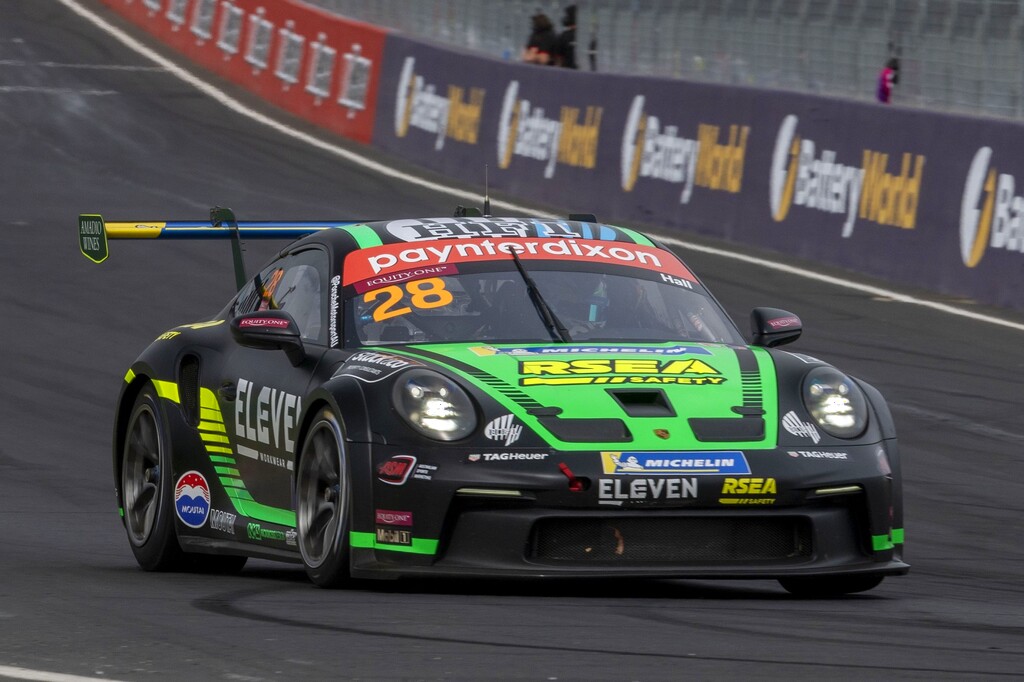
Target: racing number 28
<point x="423" y="293"/>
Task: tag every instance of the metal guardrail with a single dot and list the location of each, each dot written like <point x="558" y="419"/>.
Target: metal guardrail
<point x="956" y="55"/>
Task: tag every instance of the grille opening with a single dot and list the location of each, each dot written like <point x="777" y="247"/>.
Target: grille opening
<point x="643" y="403"/>
<point x="671" y="540"/>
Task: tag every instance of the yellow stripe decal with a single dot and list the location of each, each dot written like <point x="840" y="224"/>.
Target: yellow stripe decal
<point x="211" y="426"/>
<point x="214" y="438"/>
<point x="168" y="390"/>
<point x="129" y="377"/>
<point x="218" y="448"/>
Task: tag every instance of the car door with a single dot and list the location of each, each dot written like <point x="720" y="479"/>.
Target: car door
<point x="261" y="391"/>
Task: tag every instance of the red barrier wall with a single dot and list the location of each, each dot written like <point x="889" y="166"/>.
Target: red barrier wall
<point x="306" y="61"/>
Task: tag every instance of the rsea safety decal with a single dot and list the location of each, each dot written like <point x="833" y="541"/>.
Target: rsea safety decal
<point x="363" y="265"/>
<point x="693" y="372"/>
<point x="748" y="491"/>
<point x="192" y="499"/>
<point x="692" y="463"/>
<point x="485" y="351"/>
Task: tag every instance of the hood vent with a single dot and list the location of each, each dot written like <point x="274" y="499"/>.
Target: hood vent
<point x="587" y="430"/>
<point x="645" y="402"/>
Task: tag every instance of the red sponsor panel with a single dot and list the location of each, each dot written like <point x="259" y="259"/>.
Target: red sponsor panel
<point x="378" y="261"/>
<point x="311" y="63"/>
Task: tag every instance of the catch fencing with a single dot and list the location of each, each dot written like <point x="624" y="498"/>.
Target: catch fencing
<point x="955" y="55"/>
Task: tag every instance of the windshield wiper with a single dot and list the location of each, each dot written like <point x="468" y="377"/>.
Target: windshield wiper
<point x="551" y="321"/>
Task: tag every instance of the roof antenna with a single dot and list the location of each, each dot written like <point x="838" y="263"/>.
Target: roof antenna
<point x="487" y="196"/>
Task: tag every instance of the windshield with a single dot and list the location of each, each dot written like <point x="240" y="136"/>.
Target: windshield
<point x="489" y="300"/>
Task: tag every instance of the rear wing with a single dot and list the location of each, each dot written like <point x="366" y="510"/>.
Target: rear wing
<point x="93" y="232"/>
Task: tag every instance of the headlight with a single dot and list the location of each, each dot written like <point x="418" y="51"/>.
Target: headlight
<point x="835" y="402"/>
<point x="434" y="405"/>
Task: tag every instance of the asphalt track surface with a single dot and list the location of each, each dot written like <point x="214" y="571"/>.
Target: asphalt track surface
<point x="129" y="141"/>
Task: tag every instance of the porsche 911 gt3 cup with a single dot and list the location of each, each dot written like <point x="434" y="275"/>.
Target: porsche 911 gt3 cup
<point x="484" y="396"/>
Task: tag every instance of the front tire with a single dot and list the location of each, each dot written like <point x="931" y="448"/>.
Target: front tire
<point x="324" y="502"/>
<point x="147" y="498"/>
<point x="829" y="586"/>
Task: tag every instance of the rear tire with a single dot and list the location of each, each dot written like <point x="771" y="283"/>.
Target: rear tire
<point x="147" y="497"/>
<point x="324" y="502"/>
<point x="830" y="586"/>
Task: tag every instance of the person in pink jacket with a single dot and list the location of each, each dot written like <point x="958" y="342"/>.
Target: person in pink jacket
<point x="889" y="77"/>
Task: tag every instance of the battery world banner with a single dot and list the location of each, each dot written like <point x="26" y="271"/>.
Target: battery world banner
<point x="913" y="197"/>
<point x="309" y="62"/>
<point x="917" y="198"/>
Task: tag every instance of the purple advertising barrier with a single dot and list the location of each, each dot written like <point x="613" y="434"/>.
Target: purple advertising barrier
<point x="923" y="199"/>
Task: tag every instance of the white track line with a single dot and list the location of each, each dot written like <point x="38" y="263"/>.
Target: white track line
<point x="27" y="674"/>
<point x="234" y="105"/>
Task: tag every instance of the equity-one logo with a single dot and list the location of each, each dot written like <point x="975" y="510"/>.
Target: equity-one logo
<point x="990" y="212"/>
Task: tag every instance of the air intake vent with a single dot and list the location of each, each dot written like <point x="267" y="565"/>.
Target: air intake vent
<point x="686" y="541"/>
<point x="727" y="429"/>
<point x="643" y="402"/>
<point x="188" y="388"/>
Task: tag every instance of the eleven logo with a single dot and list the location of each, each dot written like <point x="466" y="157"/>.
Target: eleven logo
<point x="504" y="429"/>
<point x="793" y="425"/>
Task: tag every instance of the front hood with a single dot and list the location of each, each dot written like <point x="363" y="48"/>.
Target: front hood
<point x="667" y="396"/>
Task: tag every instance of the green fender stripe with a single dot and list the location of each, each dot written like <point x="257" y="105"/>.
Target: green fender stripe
<point x="369" y="541"/>
<point x="636" y="236"/>
<point x="363" y="234"/>
<point x="880" y="543"/>
<point x="129" y="377"/>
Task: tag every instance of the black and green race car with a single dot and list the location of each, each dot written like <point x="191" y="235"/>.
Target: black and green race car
<point x="483" y="396"/>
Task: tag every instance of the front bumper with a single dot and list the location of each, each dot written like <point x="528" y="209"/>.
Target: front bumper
<point x="455" y="514"/>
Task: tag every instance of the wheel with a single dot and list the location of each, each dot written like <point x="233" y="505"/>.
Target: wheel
<point x="830" y="586"/>
<point x="147" y="498"/>
<point x="323" y="492"/>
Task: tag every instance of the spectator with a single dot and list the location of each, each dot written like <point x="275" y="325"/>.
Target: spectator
<point x="889" y="77"/>
<point x="540" y="47"/>
<point x="565" y="47"/>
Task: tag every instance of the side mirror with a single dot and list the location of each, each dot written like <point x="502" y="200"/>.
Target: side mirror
<point x="770" y="327"/>
<point x="270" y="330"/>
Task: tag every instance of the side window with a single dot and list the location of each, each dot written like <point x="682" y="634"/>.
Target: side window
<point x="296" y="284"/>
